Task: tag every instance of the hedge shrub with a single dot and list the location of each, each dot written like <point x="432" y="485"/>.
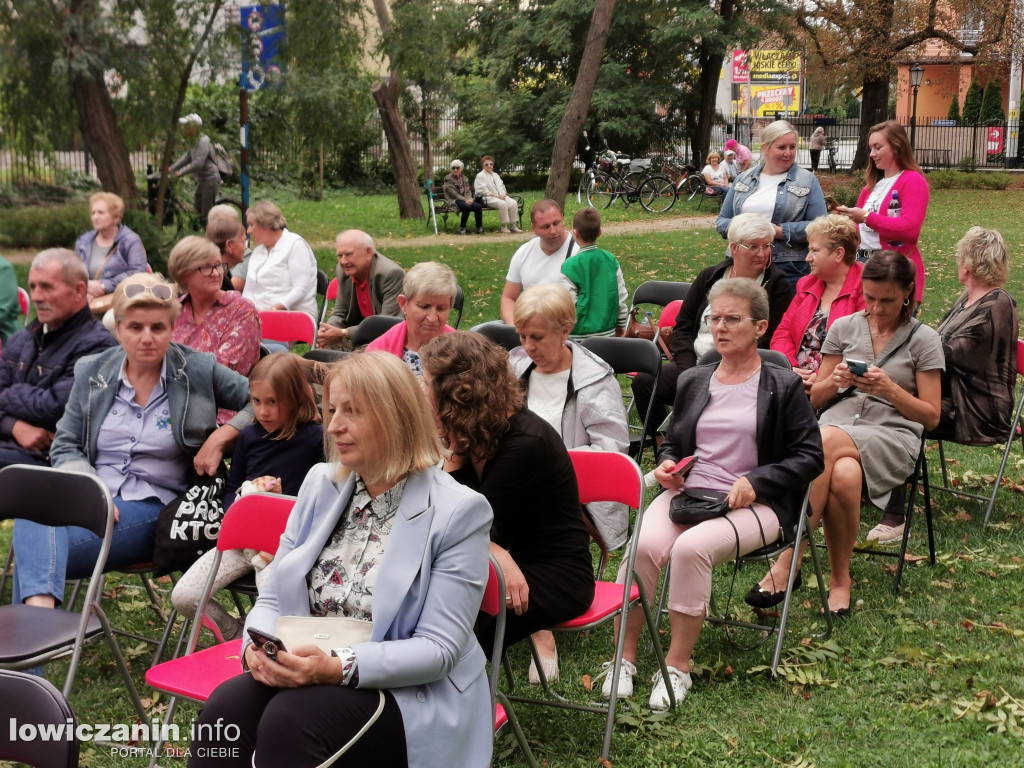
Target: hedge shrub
<point x="44" y="226"/>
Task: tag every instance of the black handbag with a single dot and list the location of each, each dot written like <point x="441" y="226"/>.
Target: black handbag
<point x="189" y="525"/>
<point x="695" y="505"/>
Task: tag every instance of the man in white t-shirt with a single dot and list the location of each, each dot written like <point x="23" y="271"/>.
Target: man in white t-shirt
<point x="538" y="260"/>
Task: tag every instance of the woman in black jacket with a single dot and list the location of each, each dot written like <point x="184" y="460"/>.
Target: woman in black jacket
<point x="750" y="255"/>
<point x="757" y="445"/>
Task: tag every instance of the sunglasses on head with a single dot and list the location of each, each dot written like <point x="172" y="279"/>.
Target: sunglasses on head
<point x="160" y="291"/>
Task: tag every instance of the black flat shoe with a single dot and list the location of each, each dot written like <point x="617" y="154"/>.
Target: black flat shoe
<point x="759" y="598"/>
<point x="840" y="614"/>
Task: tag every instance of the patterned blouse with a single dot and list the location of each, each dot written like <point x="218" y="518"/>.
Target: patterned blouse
<point x="231" y="331"/>
<point x="344" y="574"/>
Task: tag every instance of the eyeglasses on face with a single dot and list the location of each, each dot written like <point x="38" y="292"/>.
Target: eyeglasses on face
<point x="486" y="164"/>
<point x="766" y="248"/>
<point x="160" y="291"/>
<point x="731" y="322"/>
<point x="209" y="270"/>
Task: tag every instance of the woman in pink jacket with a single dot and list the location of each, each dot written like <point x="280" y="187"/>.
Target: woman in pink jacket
<point x="891" y="170"/>
<point x="831" y="291"/>
<point x="428" y="293"/>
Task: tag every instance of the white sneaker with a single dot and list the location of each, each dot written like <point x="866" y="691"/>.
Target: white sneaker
<point x="550" y="667"/>
<point x="681" y="684"/>
<point x="882" y="533"/>
<point x="626" y="672"/>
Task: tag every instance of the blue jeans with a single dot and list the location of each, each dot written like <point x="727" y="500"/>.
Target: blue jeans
<point x="793" y="270"/>
<point x="44" y="556"/>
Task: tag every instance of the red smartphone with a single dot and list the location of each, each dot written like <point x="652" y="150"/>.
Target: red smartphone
<point x="683" y="466"/>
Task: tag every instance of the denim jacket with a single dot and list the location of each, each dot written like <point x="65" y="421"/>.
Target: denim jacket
<point x="800" y="201"/>
<point x="196" y="387"/>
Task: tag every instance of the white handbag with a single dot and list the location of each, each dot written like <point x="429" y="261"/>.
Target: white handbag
<point x="325" y="632"/>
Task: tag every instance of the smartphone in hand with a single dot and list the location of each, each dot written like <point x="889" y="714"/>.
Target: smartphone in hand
<point x="857" y="367"/>
<point x="266" y="642"/>
<point x="683" y="466"/>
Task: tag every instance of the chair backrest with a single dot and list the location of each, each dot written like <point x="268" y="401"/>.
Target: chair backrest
<point x="255" y="521"/>
<point x="322" y="281"/>
<point x="30" y="699"/>
<point x="498" y="332"/>
<point x="24" y="303"/>
<point x="667" y="318"/>
<point x="608" y="476"/>
<point x="288" y="326"/>
<point x="626" y="355"/>
<point x="332" y="289"/>
<point x="660" y="292"/>
<point x="371" y="328"/>
<point x="767" y="355"/>
<point x="42" y="494"/>
<point x="460" y="299"/>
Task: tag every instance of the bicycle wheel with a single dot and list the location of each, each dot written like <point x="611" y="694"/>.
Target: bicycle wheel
<point x="602" y="191"/>
<point x="831" y="161"/>
<point x="585" y="181"/>
<point x="237" y="204"/>
<point x="692" y="185"/>
<point x="657" y="194"/>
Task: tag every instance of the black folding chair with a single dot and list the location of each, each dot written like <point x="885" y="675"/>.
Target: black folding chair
<point x="31" y="635"/>
<point x="371" y="328"/>
<point x="659" y="292"/>
<point x="32" y="700"/>
<point x="629" y="356"/>
<point x="500" y="333"/>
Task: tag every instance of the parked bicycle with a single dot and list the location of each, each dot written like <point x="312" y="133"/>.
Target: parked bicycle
<point x="687" y="177"/>
<point x="832" y="147"/>
<point x="180" y="215"/>
<point x="620" y="176"/>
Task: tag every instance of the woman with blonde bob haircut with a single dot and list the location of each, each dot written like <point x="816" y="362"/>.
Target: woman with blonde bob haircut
<point x="577" y="393"/>
<point x="378" y="533"/>
<point x="428" y="294"/>
<point x="224" y="323"/>
<point x="111" y="251"/>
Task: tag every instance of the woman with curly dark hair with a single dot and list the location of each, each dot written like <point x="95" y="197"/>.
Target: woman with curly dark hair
<point x="519" y="463"/>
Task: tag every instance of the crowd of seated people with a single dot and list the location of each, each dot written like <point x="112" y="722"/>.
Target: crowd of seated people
<point x="447" y="447"/>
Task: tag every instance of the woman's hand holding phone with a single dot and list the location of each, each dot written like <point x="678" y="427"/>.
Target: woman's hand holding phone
<point x="671" y="474"/>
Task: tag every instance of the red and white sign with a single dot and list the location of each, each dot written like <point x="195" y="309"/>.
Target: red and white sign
<point x="994" y="142"/>
<point x="740" y="67"/>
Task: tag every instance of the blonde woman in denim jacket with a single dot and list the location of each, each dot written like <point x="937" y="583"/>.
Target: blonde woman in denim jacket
<point x="782" y="191"/>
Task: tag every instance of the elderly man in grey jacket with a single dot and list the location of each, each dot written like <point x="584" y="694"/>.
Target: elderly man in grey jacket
<point x="201" y="161"/>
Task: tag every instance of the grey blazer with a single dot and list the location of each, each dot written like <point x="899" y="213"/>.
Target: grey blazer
<point x="385" y="284"/>
<point x="426" y="600"/>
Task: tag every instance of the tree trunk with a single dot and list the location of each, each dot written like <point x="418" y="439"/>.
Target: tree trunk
<point x="579" y="102"/>
<point x="710" y="67"/>
<point x="103" y="139"/>
<point x="385" y="94"/>
<point x="874" y="108"/>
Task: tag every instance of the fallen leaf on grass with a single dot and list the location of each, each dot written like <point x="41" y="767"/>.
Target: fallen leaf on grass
<point x="968" y="625"/>
<point x="962" y="517"/>
<point x="914" y="558"/>
<point x="588" y="683"/>
<point x="990" y="574"/>
<point x="944" y="583"/>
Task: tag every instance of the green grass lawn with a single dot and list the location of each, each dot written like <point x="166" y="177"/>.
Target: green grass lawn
<point x="933" y="677"/>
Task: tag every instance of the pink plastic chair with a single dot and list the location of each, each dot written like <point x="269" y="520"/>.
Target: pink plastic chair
<point x="331" y="295"/>
<point x="288" y="326"/>
<point x="608" y="476"/>
<point x="255" y="521"/>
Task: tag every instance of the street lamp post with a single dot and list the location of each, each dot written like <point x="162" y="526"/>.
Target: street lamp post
<point x="916" y="74"/>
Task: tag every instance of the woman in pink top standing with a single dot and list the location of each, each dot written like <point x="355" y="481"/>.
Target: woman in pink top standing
<point x="891" y="170"/>
<point x="428" y="294"/>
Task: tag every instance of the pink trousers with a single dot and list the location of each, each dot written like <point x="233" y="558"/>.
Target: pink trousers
<point x="695" y="549"/>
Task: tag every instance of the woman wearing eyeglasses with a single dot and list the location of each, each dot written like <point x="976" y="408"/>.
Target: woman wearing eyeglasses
<point x="757" y="446"/>
<point x="212" y="319"/>
<point x="139" y="415"/>
<point x="750" y="255"/>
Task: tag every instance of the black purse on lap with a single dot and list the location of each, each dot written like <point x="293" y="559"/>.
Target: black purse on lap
<point x="695" y="505"/>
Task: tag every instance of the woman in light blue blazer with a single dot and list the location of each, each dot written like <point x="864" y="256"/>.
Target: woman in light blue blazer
<point x="378" y="534"/>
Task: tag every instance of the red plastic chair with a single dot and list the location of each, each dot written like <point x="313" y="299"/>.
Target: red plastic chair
<point x="493" y="604"/>
<point x="607" y="476"/>
<point x="24" y="304"/>
<point x="288" y="326"/>
<point x="254" y="521"/>
<point x="329" y="296"/>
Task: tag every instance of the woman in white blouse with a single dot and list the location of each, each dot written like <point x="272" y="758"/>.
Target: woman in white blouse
<point x="282" y="268"/>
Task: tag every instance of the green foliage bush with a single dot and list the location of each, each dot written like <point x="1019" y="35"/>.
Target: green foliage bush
<point x="44" y="226"/>
<point x="972" y="103"/>
<point x="954" y="108"/>
<point x="962" y="180"/>
<point x="143" y="225"/>
<point x="992" y="104"/>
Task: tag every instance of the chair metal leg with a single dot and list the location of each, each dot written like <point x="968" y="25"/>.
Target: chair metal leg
<point x="517" y="730"/>
<point x="1014" y="426"/>
<point x="115" y="650"/>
